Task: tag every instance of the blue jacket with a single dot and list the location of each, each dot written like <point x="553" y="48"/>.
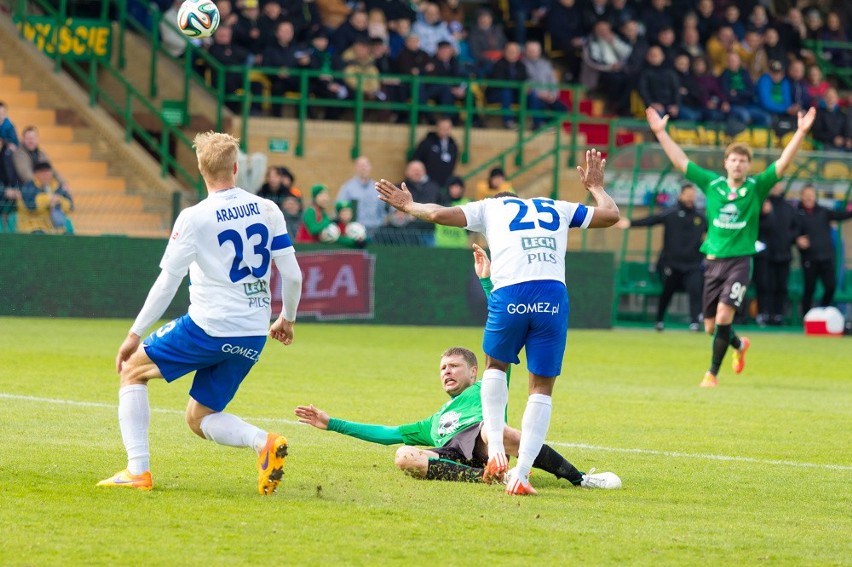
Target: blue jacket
<point x="8" y="133"/>
<point x="776" y="103"/>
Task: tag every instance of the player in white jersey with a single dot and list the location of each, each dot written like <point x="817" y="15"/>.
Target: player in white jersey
<point x="528" y="307"/>
<point x="227" y="243"/>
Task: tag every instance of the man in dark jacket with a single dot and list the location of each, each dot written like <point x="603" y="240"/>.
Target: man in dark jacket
<point x="777" y="232"/>
<point x="833" y="126"/>
<point x="508" y="68"/>
<point x="439" y="152"/>
<point x="424" y="190"/>
<point x="679" y="264"/>
<point x="816" y="248"/>
<point x="658" y="85"/>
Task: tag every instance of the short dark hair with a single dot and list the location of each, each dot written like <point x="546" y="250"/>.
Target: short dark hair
<point x="686" y="186"/>
<point x="466" y="354"/>
<point x="42" y="166"/>
<point x="502" y="194"/>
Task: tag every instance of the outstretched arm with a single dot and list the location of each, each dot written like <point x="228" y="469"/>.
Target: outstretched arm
<point x="673" y="151"/>
<point x="805" y="123"/>
<point x="400" y="198"/>
<point x="606" y="211"/>
<point x="381" y="434"/>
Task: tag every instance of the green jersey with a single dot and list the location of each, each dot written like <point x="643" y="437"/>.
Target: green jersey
<point x="456" y="415"/>
<point x="732" y="214"/>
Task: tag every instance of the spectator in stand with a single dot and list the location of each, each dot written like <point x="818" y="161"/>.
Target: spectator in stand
<point x="451" y="236"/>
<point x="439" y="152"/>
<point x="8" y="133"/>
<point x="817" y="85"/>
<point x="452" y="12"/>
<point x="773" y="47"/>
<point x="268" y="22"/>
<point x="692" y="96"/>
<point x="354" y="28"/>
<point x="758" y="19"/>
<point x="564" y="23"/>
<point x="833" y="125"/>
<point x="172" y="40"/>
<point x="358" y="61"/>
<point x="28" y="154"/>
<point x="431" y="29"/>
<point x="508" y="68"/>
<point x="398" y="30"/>
<point x="380" y="53"/>
<point x="813" y="23"/>
<point x="229" y="55"/>
<point x="754" y="58"/>
<point x="315" y="218"/>
<point x="833" y="31"/>
<point x="227" y="16"/>
<point x="773" y="96"/>
<point x="333" y="13"/>
<point x="247" y="29"/>
<point x="778" y="231"/>
<point x="619" y="12"/>
<point x="496" y="183"/>
<point x="594" y="11"/>
<point x="656" y="17"/>
<point x="723" y="43"/>
<point x="9" y="193"/>
<point x="45" y="203"/>
<point x="393" y="9"/>
<point x="712" y="103"/>
<point x="659" y="86"/>
<point x="816" y="247"/>
<point x="344" y="216"/>
<point x="325" y="86"/>
<point x="630" y="33"/>
<point x="739" y="93"/>
<point x="523" y="11"/>
<point x="281" y="54"/>
<point x="731" y="17"/>
<point x="279" y="186"/>
<point x="304" y="16"/>
<point x="540" y="72"/>
<point x="292" y="209"/>
<point x="794" y="33"/>
<point x="798" y="85"/>
<point x="604" y="59"/>
<point x="708" y="22"/>
<point x="487" y="41"/>
<point x="412" y="61"/>
<point x="691" y="43"/>
<point x="423" y="190"/>
<point x="377" y="25"/>
<point x="361" y="191"/>
<point x="446" y="66"/>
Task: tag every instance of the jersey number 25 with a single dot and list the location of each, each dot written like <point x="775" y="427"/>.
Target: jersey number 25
<point x="543" y="206"/>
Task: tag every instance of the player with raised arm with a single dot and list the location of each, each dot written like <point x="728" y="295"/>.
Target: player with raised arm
<point x="529" y="305"/>
<point x="227" y="243"/>
<point x="733" y="213"/>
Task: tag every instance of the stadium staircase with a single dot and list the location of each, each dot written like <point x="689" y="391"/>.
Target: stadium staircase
<point x="116" y="186"/>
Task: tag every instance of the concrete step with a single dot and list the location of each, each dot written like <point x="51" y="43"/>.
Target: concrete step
<point x="81" y="185"/>
<point x="55" y="134"/>
<point x="9" y="83"/>
<point x="19" y="100"/>
<point x="79" y="168"/>
<point x="96" y="222"/>
<point x="33" y="117"/>
<point x="58" y="151"/>
<point x="107" y="201"/>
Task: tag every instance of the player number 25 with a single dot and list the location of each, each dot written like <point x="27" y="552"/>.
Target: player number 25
<point x="543" y="206"/>
<point x="260" y="249"/>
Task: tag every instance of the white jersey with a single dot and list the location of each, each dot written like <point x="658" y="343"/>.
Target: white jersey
<point x="228" y="242"/>
<point x="527" y="237"/>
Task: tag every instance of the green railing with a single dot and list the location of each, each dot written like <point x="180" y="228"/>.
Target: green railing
<point x="89" y="72"/>
<point x="829" y="67"/>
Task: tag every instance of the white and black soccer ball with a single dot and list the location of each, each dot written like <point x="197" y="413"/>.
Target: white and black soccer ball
<point x="356" y="231"/>
<point x="330" y="233"/>
<point x="198" y="18"/>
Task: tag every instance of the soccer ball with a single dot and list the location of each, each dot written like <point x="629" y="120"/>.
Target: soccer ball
<point x="198" y="18"/>
<point x="330" y="233"/>
<point x="356" y="231"/>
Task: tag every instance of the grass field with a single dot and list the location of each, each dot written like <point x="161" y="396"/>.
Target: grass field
<point x="757" y="471"/>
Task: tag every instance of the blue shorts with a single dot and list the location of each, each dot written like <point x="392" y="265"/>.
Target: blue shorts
<point x="221" y="363"/>
<point x="532" y="315"/>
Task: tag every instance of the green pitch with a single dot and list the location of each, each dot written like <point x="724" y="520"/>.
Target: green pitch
<point x="757" y="471"/>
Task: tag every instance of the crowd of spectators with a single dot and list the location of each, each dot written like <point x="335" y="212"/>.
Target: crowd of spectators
<point x="33" y="197"/>
<point x="744" y="63"/>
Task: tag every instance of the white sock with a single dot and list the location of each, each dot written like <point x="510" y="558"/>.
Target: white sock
<point x="134" y="416"/>
<point x="228" y="429"/>
<point x="495" y="396"/>
<point x="534" y="428"/>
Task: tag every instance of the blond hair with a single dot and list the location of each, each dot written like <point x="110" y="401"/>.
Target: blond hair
<point x="217" y="154"/>
<point x="738" y="148"/>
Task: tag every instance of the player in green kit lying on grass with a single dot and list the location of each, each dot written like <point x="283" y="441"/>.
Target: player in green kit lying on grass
<point x="459" y="445"/>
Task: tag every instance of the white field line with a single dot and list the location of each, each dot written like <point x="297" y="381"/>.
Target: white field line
<point x="673" y="454"/>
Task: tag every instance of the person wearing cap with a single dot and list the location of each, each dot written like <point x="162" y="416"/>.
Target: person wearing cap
<point x="44" y="204"/>
<point x="247" y="29"/>
<point x="495" y="184"/>
<point x="315" y="218"/>
<point x="345" y="215"/>
<point x="773" y="96"/>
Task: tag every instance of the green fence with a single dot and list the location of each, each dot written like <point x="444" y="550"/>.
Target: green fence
<point x="110" y="277"/>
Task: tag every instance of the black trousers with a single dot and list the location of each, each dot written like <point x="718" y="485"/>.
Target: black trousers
<point x="771" y="279"/>
<point x="825" y="272"/>
<point x="691" y="281"/>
